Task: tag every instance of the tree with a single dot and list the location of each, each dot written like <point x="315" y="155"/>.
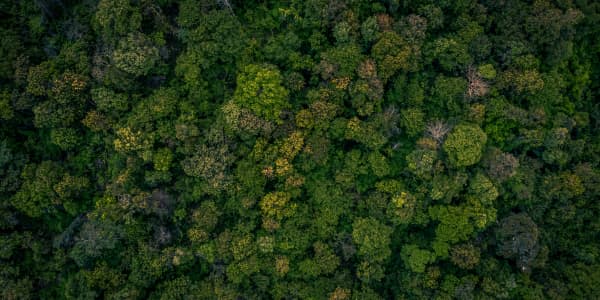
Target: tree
<point x="392" y="54"/>
<point x="72" y="191"/>
<point x="11" y="164"/>
<point x="369" y="30"/>
<point x="437" y="130"/>
<point x="465" y="256"/>
<point x="177" y="288"/>
<point x="116" y="17"/>
<point x="244" y="122"/>
<point x="36" y="195"/>
<point x="259" y="89"/>
<point x="412" y="121"/>
<point x="38" y="78"/>
<point x="402" y="208"/>
<point x="135" y="54"/>
<point x="343" y="33"/>
<point x="421" y="162"/>
<point x="447" y="187"/>
<point x="416" y="259"/>
<point x="324" y="262"/>
<point x="6" y="110"/>
<point x="372" y="239"/>
<point x="162" y="159"/>
<point x="454" y="226"/>
<point x="96" y="237"/>
<point x="365" y="133"/>
<point x="518" y="238"/>
<point x="477" y="86"/>
<point x="129" y="140"/>
<point x="450" y="53"/>
<point x="275" y="206"/>
<point x="108" y="101"/>
<point x="501" y="166"/>
<point x="339" y="294"/>
<point x="65" y="101"/>
<point x="447" y="96"/>
<point x="366" y="93"/>
<point x="547" y="23"/>
<point x="464" y="145"/>
<point x="379" y="164"/>
<point x="10" y="48"/>
<point x="340" y="62"/>
<point x="64" y="138"/>
<point x="210" y="162"/>
<point x="482" y="190"/>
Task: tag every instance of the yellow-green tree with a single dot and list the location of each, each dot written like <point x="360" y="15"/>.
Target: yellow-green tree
<point x="260" y="89"/>
<point x="464" y="145"/>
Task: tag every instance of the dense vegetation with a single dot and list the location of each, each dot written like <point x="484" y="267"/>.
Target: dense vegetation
<point x="300" y="149"/>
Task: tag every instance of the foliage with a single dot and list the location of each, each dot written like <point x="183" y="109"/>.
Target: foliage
<point x="135" y="55"/>
<point x="464" y="145"/>
<point x="319" y="149"/>
<point x="259" y="89"/>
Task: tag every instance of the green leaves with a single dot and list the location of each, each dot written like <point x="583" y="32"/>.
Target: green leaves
<point x="37" y="196"/>
<point x="392" y="54"/>
<point x="372" y="239"/>
<point x="464" y="145"/>
<point x="275" y="206"/>
<point x="162" y="159"/>
<point x="116" y="17"/>
<point x="416" y="259"/>
<point x="421" y="162"/>
<point x="135" y="54"/>
<point x="259" y="89"/>
<point x="319" y="149"/>
<point x="454" y="223"/>
<point x="482" y="190"/>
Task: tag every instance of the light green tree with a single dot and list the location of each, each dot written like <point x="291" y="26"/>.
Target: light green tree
<point x="464" y="145"/>
<point x="259" y="89"/>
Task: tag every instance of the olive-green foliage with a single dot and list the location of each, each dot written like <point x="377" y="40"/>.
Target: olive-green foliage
<point x="365" y="133"/>
<point x="464" y="145"/>
<point x="450" y="53"/>
<point x="65" y="138"/>
<point x="318" y="149"/>
<point x="447" y="95"/>
<point x="108" y="101"/>
<point x="6" y="111"/>
<point x="135" y="54"/>
<point x="412" y="121"/>
<point x="482" y="189"/>
<point x="259" y="89"/>
<point x="36" y="195"/>
<point x="116" y="17"/>
<point x="454" y="223"/>
<point x="392" y="54"/>
<point x="162" y="159"/>
<point x="372" y="239"/>
<point x="447" y="187"/>
<point x="416" y="259"/>
<point x="421" y="162"/>
<point x="465" y="256"/>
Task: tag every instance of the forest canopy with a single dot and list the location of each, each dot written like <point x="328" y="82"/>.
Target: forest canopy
<point x="316" y="149"/>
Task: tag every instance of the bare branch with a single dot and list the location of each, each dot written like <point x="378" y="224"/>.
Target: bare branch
<point x="477" y="86"/>
<point x="437" y="130"/>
